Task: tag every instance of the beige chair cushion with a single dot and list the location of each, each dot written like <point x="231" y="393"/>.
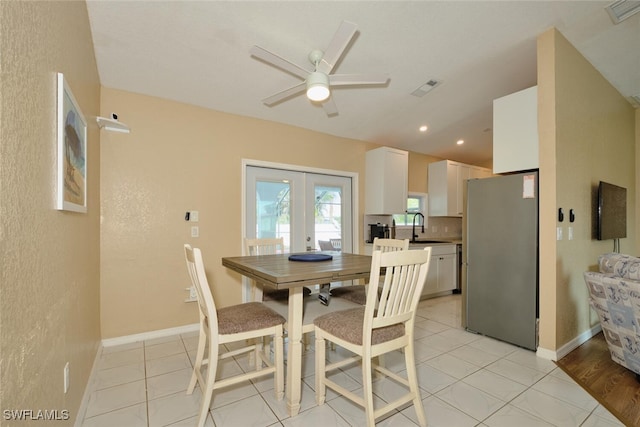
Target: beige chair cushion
<point x="356" y="294"/>
<point x="247" y="317"/>
<point x="280" y="294"/>
<point x="348" y="325"/>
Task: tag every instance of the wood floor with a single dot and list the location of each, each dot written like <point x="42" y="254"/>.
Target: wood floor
<point x="614" y="386"/>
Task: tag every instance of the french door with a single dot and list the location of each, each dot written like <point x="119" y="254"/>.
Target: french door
<point x="307" y="209"/>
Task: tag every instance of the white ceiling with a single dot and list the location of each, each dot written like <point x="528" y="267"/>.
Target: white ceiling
<point x="198" y="53"/>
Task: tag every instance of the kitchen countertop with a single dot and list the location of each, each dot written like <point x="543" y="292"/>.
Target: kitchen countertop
<point x="431" y="242"/>
<point x="434" y="242"/>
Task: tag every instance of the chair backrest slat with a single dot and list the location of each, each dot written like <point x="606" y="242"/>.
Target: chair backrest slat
<point x="390" y="245"/>
<point x="198" y="276"/>
<point x="264" y="246"/>
<point x="336" y="244"/>
<point x="403" y="274"/>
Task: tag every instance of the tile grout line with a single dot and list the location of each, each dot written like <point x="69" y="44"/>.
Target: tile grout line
<point x="146" y="388"/>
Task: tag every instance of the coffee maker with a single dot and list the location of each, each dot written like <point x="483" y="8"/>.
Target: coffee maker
<point x="378" y="230"/>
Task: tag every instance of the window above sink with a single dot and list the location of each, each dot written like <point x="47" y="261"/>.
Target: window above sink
<point x="416" y="203"/>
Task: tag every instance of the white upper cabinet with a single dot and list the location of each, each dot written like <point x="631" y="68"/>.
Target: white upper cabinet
<point x="515" y="131"/>
<point x="387" y="171"/>
<point x="446" y="186"/>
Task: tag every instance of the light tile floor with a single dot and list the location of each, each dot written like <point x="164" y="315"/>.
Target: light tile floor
<point x="466" y="380"/>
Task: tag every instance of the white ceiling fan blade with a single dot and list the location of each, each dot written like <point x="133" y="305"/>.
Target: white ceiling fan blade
<point x="336" y="47"/>
<point x="279" y="62"/>
<point x="285" y="94"/>
<point x="329" y="107"/>
<point x="358" y="79"/>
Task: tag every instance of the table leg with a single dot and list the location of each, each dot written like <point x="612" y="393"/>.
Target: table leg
<point x="294" y="356"/>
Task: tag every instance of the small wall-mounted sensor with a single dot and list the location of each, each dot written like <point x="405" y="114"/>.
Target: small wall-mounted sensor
<point x="112" y="124"/>
<point x="187" y="216"/>
<point x="572" y="216"/>
<point x="560" y="215"/>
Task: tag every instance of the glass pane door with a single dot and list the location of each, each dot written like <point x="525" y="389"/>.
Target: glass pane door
<point x="271" y="209"/>
<point x="306" y="209"/>
<point x="329" y="227"/>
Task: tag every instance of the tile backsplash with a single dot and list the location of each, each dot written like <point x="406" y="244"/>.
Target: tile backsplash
<point x="435" y="227"/>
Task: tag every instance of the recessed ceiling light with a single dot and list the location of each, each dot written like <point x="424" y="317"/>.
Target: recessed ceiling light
<point x="460" y="142"/>
<point x="423" y="128"/>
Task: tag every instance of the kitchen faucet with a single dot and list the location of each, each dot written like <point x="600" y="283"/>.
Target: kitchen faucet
<point x="413" y="227"/>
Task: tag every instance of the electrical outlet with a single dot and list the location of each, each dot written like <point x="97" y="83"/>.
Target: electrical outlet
<point x="194" y="217"/>
<point x="66" y="377"/>
<point x="195" y="231"/>
<point x="192" y="294"/>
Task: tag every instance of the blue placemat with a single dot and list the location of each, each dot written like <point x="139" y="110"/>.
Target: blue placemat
<point x="310" y="257"/>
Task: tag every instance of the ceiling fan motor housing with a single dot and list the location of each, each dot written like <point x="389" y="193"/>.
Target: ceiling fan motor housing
<point x="315" y="56"/>
<point x="317" y="86"/>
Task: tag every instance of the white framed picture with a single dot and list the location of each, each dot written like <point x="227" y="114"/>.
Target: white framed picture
<point x="72" y="151"/>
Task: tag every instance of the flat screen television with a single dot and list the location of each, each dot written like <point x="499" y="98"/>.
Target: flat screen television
<point x="612" y="211"/>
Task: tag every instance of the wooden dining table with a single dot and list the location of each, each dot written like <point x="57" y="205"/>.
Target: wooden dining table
<point x="278" y="272"/>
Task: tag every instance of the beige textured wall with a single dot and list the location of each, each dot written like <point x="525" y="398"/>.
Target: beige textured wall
<point x="49" y="306"/>
<point x="180" y="158"/>
<point x="587" y="134"/>
<point x="637" y="217"/>
<point x="418" y="171"/>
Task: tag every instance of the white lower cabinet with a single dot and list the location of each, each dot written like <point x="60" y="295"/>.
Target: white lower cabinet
<point x="443" y="270"/>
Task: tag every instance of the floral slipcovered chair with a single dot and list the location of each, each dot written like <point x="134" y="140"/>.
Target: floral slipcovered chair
<point x="615" y="296"/>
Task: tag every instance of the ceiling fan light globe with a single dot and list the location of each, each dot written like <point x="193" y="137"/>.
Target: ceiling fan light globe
<point x="317" y="92"/>
<point x="317" y="86"/>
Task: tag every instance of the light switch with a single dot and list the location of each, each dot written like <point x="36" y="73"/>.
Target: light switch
<point x="194" y="216"/>
<point x="559" y="233"/>
<point x="570" y="233"/>
<point x="195" y="231"/>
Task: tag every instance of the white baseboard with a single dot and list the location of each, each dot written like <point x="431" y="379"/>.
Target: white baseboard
<point x="127" y="339"/>
<point x="570" y="346"/>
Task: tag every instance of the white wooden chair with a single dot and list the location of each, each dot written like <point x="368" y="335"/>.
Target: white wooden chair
<point x="358" y="293"/>
<point x="381" y="326"/>
<point x="269" y="246"/>
<point x="265" y="246"/>
<point x="325" y="245"/>
<point x="237" y="323"/>
<point x="336" y="244"/>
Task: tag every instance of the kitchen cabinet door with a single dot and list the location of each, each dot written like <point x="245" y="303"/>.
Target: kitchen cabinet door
<point x="447" y="272"/>
<point x="386" y="185"/>
<point x="443" y="271"/>
<point x="431" y="284"/>
<point x="446" y="186"/>
<point x="463" y="174"/>
<point x="515" y="132"/>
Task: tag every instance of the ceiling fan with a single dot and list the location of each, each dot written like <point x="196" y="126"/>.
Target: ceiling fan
<point x="318" y="81"/>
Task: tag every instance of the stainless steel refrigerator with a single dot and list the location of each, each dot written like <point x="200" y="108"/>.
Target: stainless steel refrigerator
<point x="502" y="258"/>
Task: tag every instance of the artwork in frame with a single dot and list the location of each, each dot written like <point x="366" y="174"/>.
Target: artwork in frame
<point x="72" y="151"/>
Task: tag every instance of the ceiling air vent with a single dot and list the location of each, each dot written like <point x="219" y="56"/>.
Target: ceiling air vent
<point x="622" y="9"/>
<point x="422" y="90"/>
